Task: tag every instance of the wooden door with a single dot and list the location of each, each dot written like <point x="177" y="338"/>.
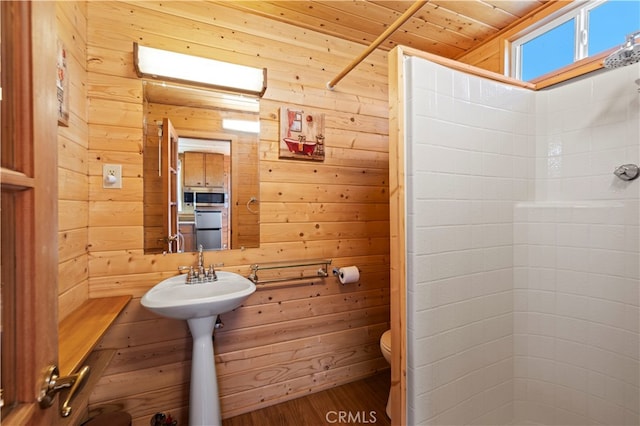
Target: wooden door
<point x="29" y="226"/>
<point x="169" y="152"/>
<point x="214" y="171"/>
<point x="194" y="169"/>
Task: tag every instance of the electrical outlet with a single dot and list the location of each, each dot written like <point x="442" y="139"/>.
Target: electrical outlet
<point x="112" y="176"/>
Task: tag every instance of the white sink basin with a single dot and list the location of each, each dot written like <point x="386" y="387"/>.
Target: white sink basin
<point x="200" y="304"/>
<point x="174" y="298"/>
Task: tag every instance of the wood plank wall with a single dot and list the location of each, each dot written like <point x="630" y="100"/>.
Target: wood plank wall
<point x="73" y="145"/>
<point x="286" y="341"/>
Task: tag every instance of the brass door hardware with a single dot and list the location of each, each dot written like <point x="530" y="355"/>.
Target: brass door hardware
<point x="53" y="384"/>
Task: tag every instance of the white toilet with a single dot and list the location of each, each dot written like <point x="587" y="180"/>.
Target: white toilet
<point x="385" y="347"/>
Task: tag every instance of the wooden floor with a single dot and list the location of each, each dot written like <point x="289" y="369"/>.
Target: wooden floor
<point x="358" y="403"/>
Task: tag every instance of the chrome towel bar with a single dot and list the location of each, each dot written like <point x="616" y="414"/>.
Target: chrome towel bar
<point x="322" y="272"/>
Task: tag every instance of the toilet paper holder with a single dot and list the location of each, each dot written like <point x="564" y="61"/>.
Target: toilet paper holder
<point x="337" y="272"/>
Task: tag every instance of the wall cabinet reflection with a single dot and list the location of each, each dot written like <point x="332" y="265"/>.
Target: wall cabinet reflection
<point x="203" y="169"/>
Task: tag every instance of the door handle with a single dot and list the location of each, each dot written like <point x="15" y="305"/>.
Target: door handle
<point x="53" y="384"/>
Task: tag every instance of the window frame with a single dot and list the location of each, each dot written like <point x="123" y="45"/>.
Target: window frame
<point x="575" y="10"/>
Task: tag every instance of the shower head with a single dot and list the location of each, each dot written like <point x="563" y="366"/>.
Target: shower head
<point x="627" y="54"/>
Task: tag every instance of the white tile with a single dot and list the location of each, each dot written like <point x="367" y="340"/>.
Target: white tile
<point x="608" y="313"/>
<point x="620" y="341"/>
<point x="604" y="412"/>
<point x="572" y="282"/>
<point x="520" y="301"/>
<point x="612" y="288"/>
<point x="572" y="377"/>
<point x="610" y="262"/>
<point x="544" y="256"/>
<point x="537" y="323"/>
<point x="491" y="282"/>
<point x="574" y="259"/>
<point x="570" y="418"/>
<point x="570" y="400"/>
<point x="608" y="389"/>
<point x="542" y="392"/>
<point x="572" y="353"/>
<point x="498" y="350"/>
<point x="542" y="213"/>
<point x="613" y="365"/>
<point x="578" y="141"/>
<point x="521" y="256"/>
<point x="423" y="409"/>
<point x="501" y="142"/>
<point x="542" y="234"/>
<point x="424" y="102"/>
<point x="423" y="379"/>
<point x="442" y="212"/>
<point x="462" y="86"/>
<point x="533" y="413"/>
<point x="573" y="234"/>
<point x="495" y="258"/>
<point x="420" y="73"/>
<point x="444" y="80"/>
<point x="572" y="329"/>
<point x="559" y="286"/>
<point x="543" y="279"/>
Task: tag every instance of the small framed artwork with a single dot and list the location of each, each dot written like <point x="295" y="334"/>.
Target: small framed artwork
<point x="62" y="86"/>
<point x="301" y="134"/>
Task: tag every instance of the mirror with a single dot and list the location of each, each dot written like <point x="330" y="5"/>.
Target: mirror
<point x="210" y="196"/>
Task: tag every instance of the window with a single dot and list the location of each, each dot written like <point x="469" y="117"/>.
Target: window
<point x="580" y="30"/>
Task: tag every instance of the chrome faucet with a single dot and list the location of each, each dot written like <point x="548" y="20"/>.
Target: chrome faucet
<point x="200" y="274"/>
<point x="200" y="260"/>
<point x="627" y="171"/>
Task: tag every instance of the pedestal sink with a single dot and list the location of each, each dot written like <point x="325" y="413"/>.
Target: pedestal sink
<point x="200" y="304"/>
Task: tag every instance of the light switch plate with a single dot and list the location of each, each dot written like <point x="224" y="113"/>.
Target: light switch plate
<point x="112" y="176"/>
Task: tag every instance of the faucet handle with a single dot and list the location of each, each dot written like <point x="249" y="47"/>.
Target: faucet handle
<point x="191" y="275"/>
<point x="212" y="273"/>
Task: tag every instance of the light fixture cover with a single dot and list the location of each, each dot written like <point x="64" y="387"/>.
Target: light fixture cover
<point x="241" y="125"/>
<point x="173" y="66"/>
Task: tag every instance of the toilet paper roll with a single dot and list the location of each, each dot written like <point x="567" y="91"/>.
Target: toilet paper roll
<point x="349" y="274"/>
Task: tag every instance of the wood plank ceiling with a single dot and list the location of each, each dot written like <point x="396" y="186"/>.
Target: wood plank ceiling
<point x="448" y="28"/>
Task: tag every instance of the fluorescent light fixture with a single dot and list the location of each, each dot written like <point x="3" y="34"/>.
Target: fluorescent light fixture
<point x="178" y="67"/>
<point x="241" y="125"/>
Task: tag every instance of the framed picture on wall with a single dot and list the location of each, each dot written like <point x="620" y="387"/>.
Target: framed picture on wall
<point x="301" y="134"/>
<point x="62" y="86"/>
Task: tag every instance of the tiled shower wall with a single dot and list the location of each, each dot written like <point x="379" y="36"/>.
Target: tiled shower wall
<point x="576" y="259"/>
<point x="522" y="250"/>
<point x="468" y="161"/>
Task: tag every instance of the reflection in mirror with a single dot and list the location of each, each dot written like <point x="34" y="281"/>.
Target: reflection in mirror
<point x="210" y="196"/>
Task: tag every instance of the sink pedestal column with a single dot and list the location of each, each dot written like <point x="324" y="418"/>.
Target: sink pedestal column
<point x="204" y="405"/>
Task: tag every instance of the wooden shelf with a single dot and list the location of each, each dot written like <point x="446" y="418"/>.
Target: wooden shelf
<point x="79" y="332"/>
